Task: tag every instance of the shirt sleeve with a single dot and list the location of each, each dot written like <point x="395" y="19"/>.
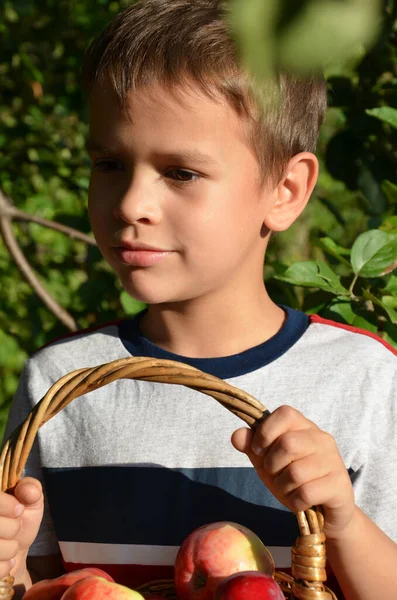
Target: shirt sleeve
<point x="27" y="395"/>
<point x="376" y="485"/>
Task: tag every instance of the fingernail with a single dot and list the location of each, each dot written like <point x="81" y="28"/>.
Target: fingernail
<point x="258" y="451"/>
<point x="18" y="510"/>
<point x="12" y="563"/>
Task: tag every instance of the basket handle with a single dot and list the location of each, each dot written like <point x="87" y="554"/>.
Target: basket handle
<point x="308" y="553"/>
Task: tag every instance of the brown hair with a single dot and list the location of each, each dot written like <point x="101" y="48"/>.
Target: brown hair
<point x="177" y="42"/>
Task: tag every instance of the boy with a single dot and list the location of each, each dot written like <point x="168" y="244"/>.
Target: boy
<point x="189" y="178"/>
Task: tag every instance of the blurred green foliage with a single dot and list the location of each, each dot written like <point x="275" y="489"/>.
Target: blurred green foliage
<point x="351" y="220"/>
<point x="335" y="260"/>
<point x="303" y="35"/>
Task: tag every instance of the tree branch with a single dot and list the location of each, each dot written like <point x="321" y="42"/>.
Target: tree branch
<point x="8" y="210"/>
<point x="26" y="270"/>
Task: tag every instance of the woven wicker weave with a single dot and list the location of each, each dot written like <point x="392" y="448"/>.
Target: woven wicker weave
<point x="308" y="553"/>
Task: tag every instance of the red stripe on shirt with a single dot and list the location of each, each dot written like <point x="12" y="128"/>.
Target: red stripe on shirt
<point x="374" y="336"/>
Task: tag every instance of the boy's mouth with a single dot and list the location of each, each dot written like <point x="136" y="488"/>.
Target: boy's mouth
<point x="139" y="254"/>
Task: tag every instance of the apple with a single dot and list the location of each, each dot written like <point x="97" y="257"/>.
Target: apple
<point x="212" y="552"/>
<point x="53" y="589"/>
<point x="95" y="587"/>
<point x="249" y="585"/>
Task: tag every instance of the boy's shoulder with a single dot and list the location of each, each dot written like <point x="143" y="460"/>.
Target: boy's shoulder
<point x="353" y="338"/>
<point x="83" y="348"/>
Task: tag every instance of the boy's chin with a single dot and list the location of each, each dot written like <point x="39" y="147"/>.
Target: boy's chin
<point x="160" y="296"/>
<point x="152" y="296"/>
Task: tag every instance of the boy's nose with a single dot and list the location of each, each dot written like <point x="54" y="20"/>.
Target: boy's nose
<point x="140" y="203"/>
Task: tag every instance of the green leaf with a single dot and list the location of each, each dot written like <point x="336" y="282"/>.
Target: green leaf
<point x="58" y="50"/>
<point x="389" y="225"/>
<point x="390" y="334"/>
<point x="391" y="287"/>
<point x="253" y="22"/>
<point x="390" y="190"/>
<point x="387" y="114"/>
<point x="389" y="301"/>
<point x="349" y="313"/>
<point x="130" y="305"/>
<point x="313" y="274"/>
<point x="369" y="185"/>
<point x="10" y="14"/>
<point x="327" y="32"/>
<point x="331" y="248"/>
<point x="329" y="275"/>
<point x="391" y="313"/>
<point x="302" y="273"/>
<point x="11" y="355"/>
<point x="33" y="155"/>
<point x="83" y="182"/>
<point x="374" y="253"/>
<point x="314" y="302"/>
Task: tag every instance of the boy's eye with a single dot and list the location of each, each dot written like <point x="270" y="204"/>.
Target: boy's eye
<point x="106" y="166"/>
<point x="182" y="175"/>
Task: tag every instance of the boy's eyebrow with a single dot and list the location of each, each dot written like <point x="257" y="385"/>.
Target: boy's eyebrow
<point x="93" y="146"/>
<point x="181" y="156"/>
<point x="186" y="156"/>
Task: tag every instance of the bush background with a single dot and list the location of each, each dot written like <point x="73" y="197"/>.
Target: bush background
<point x="44" y="170"/>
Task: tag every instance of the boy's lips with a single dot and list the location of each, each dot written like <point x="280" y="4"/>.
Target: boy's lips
<point x="139" y="255"/>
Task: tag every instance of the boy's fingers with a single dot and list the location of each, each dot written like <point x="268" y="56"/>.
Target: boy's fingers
<point x="9" y="528"/>
<point x="29" y="492"/>
<point x="5" y="568"/>
<point x="242" y="441"/>
<point x="8" y="549"/>
<point x="300" y="472"/>
<point x="293" y="446"/>
<point x="283" y="419"/>
<point x="314" y="492"/>
<point x="9" y="506"/>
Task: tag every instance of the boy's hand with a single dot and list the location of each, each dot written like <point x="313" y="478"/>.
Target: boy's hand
<point x="20" y="518"/>
<point x="301" y="466"/>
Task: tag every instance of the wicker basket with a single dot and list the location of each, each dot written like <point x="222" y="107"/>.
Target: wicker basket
<point x="308" y="553"/>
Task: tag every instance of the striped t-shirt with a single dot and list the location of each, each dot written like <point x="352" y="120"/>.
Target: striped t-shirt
<point x="130" y="469"/>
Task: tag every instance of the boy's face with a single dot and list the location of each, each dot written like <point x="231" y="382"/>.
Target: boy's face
<point x="174" y="200"/>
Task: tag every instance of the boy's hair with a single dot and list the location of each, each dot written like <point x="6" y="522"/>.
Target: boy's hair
<point x="180" y="42"/>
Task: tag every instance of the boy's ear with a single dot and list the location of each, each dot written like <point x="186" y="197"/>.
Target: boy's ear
<point x="293" y="191"/>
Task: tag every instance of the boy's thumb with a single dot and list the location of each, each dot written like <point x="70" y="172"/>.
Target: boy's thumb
<point x="29" y="492"/>
<point x="241" y="439"/>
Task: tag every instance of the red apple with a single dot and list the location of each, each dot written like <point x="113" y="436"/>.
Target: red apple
<point x="92" y="588"/>
<point x="249" y="585"/>
<point x="53" y="589"/>
<point x="213" y="552"/>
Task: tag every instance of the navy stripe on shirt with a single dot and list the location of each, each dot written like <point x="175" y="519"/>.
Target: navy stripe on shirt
<point x="155" y="505"/>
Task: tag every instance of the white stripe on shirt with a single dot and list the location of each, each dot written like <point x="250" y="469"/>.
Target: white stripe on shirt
<point x="139" y="554"/>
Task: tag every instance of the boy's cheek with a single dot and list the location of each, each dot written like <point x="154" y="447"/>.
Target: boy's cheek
<point x="98" y="211"/>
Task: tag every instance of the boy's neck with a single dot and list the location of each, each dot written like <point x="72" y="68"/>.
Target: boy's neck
<point x="202" y="328"/>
